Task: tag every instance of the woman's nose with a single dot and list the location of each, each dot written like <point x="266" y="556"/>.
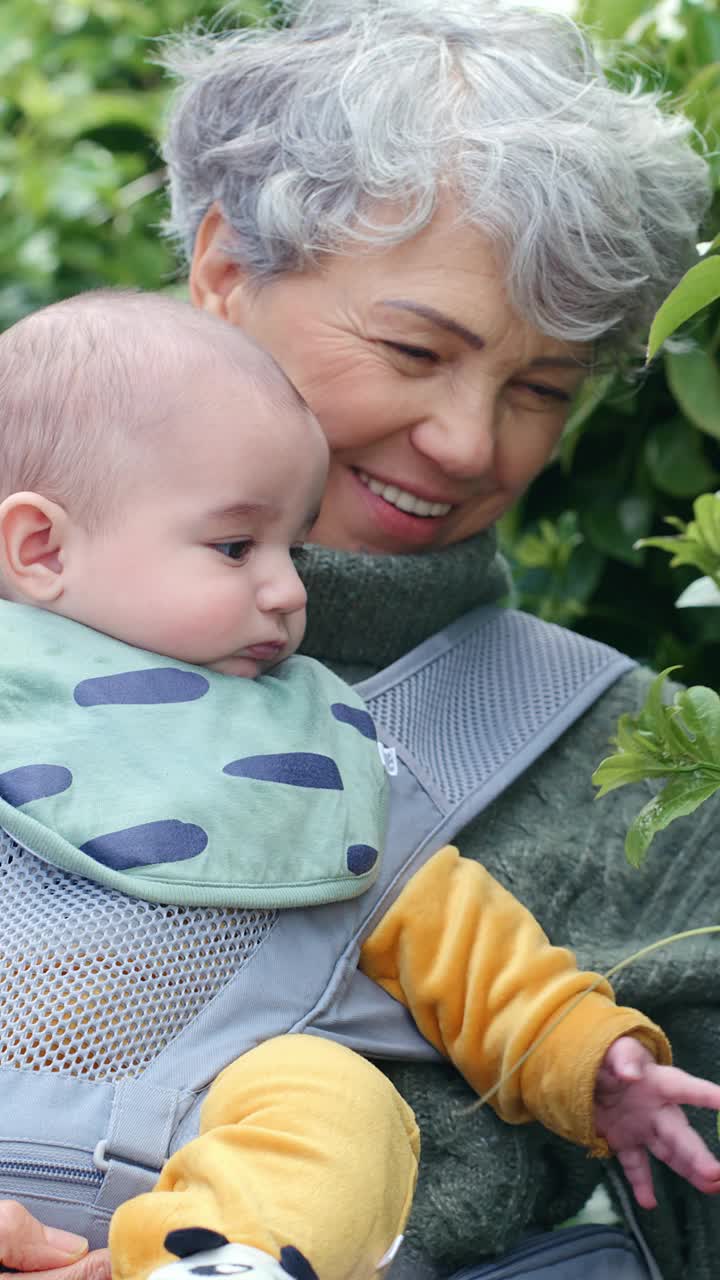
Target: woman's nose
<point x="282" y="591"/>
<point x="459" y="439"/>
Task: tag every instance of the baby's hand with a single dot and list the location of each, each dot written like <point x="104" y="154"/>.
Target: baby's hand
<point x="636" y="1111"/>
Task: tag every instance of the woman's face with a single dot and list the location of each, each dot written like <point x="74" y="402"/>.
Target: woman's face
<point x="440" y="404"/>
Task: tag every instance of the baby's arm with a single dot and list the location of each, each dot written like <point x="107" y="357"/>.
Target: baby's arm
<point x="483" y="984"/>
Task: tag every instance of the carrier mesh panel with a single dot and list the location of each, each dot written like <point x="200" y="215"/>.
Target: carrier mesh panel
<point x="95" y="983"/>
<point x="470" y="726"/>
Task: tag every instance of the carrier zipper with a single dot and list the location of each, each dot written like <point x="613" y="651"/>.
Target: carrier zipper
<point x="55" y="1172"/>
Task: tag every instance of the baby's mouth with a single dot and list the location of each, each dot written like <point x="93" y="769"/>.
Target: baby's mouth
<point x="265" y="651"/>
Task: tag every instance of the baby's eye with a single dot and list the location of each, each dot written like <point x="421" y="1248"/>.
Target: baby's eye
<point x="237" y="550"/>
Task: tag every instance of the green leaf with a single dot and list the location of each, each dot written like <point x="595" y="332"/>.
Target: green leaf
<point x="684" y="550"/>
<point x="701" y="95"/>
<point x="652" y="713"/>
<point x="610" y="19"/>
<point x="679" y="798"/>
<point x="703" y="31"/>
<point x="614" y="526"/>
<point x="591" y="394"/>
<point x="698" y="287"/>
<point x="680" y="742"/>
<point x="676" y="460"/>
<point x="699" y="709"/>
<point x="706" y="510"/>
<point x="99" y="110"/>
<point x="702" y="593"/>
<point x="694" y="378"/>
<point x="620" y="770"/>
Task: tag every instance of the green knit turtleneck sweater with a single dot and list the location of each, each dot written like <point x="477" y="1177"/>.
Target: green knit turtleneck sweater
<point x="366" y="611"/>
<point x="483" y="1183"/>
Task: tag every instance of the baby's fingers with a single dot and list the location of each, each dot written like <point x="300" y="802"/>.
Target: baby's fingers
<point x="683" y="1150"/>
<point x="636" y="1167"/>
<point x="674" y="1085"/>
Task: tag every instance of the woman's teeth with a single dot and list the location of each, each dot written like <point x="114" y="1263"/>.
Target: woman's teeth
<point x="403" y="500"/>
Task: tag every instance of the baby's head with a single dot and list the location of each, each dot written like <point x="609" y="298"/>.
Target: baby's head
<point x="157" y="473"/>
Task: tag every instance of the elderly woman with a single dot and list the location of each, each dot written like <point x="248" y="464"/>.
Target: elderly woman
<point x="439" y="217"/>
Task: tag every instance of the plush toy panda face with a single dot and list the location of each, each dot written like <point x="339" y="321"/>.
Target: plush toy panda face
<point x="216" y="1264"/>
<point x="207" y="1255"/>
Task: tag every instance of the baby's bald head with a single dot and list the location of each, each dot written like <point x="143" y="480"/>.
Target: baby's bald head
<point x="89" y="388"/>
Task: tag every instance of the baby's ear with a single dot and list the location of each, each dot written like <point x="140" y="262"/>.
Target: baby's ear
<point x="32" y="535"/>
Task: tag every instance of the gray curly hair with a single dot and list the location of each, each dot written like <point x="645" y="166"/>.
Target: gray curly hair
<point x="593" y="195"/>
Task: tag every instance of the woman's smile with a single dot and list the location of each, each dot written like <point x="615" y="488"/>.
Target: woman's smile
<point x="399" y="513"/>
<point x="405" y="499"/>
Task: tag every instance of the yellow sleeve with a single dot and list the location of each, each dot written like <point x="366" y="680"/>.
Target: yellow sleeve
<point x="483" y="983"/>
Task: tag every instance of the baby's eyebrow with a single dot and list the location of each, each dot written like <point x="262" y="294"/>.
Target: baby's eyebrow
<point x="240" y="511"/>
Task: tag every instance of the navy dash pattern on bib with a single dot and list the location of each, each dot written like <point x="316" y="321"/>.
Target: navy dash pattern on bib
<point x="149" y="842"/>
<point x="155" y="686"/>
<point x="357" y="718"/>
<point x="34" y="782"/>
<point x="294" y="768"/>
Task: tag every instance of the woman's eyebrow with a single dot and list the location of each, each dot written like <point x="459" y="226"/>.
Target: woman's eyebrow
<point x="473" y="339"/>
<point x="439" y="318"/>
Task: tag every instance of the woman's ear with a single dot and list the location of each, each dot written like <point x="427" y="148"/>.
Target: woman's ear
<point x="216" y="280"/>
<point x="33" y="532"/>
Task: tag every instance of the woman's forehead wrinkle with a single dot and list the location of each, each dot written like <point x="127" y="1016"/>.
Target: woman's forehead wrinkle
<point x="472" y="339"/>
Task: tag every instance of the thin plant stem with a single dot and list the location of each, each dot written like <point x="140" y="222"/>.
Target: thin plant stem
<point x="603" y="977"/>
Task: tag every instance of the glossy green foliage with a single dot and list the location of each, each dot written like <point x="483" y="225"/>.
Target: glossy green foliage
<point x="638" y="451"/>
<point x="81" y="180"/>
<point x="677" y="743"/>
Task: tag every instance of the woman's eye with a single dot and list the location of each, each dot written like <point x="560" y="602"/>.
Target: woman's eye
<point x="413" y="353"/>
<point x="238" y="550"/>
<point x="546" y="393"/>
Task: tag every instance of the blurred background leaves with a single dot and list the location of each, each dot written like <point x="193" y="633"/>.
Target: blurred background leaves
<point x="81" y="182"/>
<point x="638" y="451"/>
<point x="81" y="198"/>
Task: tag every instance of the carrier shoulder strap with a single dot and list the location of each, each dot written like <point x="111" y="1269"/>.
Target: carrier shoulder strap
<point x="472" y="707"/>
<point x="460" y="717"/>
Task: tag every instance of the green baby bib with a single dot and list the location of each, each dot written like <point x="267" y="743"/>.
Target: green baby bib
<point x="177" y="784"/>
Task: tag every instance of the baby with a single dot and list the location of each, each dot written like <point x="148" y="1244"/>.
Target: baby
<point x="158" y="476"/>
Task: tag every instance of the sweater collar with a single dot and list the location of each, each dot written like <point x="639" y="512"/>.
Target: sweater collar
<point x="371" y="609"/>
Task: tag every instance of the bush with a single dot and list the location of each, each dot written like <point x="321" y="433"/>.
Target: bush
<point x="81" y="182"/>
<point x="634" y="454"/>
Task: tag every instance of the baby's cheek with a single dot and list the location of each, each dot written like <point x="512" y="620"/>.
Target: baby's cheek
<point x="212" y="624"/>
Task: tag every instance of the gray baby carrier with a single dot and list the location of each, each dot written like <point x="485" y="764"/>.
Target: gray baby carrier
<point x="116" y="1014"/>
